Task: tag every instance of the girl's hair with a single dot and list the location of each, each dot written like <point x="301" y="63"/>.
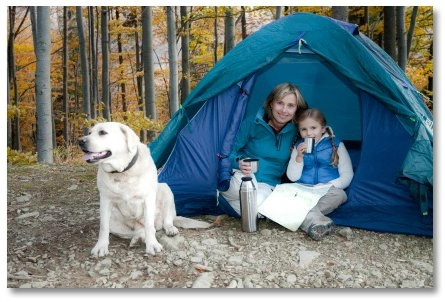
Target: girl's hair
<point x="279" y="92"/>
<point x="318" y="116"/>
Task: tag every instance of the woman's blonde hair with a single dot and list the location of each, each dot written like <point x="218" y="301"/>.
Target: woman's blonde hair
<point x="318" y="116"/>
<point x="279" y="92"/>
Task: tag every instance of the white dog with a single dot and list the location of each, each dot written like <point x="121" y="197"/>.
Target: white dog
<point x="133" y="204"/>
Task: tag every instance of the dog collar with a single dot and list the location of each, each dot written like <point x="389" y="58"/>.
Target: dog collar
<point x="131" y="164"/>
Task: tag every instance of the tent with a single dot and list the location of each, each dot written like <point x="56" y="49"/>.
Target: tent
<point x="366" y="98"/>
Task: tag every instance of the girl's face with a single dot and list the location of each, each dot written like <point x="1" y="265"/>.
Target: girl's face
<point x="283" y="110"/>
<point x="311" y="128"/>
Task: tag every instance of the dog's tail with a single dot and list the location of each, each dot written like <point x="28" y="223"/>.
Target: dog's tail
<point x="189" y="223"/>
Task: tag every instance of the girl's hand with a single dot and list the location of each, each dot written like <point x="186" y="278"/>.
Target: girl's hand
<point x="245" y="167"/>
<point x="301" y="148"/>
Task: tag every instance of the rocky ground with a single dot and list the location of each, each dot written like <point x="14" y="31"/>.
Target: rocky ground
<point x="53" y="222"/>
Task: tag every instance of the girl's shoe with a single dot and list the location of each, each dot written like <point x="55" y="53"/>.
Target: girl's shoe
<point x="319" y="231"/>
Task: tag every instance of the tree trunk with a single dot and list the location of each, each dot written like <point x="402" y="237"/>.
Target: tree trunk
<point x="340" y="13"/>
<point x="14" y="126"/>
<point x="147" y="55"/>
<point x="215" y="36"/>
<point x="243" y="23"/>
<point x="412" y="25"/>
<point x="366" y="20"/>
<point x="66" y="124"/>
<point x="93" y="59"/>
<point x="121" y="63"/>
<point x="185" y="37"/>
<point x="139" y="79"/>
<point x="401" y="38"/>
<point x="430" y="77"/>
<point x="172" y="60"/>
<point x="278" y="12"/>
<point x="84" y="67"/>
<point x="43" y="87"/>
<point x="229" y="30"/>
<point x="389" y="31"/>
<point x="105" y="63"/>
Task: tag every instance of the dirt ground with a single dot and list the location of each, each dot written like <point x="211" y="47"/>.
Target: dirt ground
<point x="53" y="222"/>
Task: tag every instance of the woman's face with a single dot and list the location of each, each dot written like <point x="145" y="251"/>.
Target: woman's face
<point x="283" y="110"/>
<point x="311" y="128"/>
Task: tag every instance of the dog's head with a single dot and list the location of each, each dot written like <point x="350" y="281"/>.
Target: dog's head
<point x="110" y="143"/>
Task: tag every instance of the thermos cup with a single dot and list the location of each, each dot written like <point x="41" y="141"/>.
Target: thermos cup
<point x="248" y="205"/>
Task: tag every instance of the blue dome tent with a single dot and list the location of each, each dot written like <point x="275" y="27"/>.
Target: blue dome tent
<point x="366" y="97"/>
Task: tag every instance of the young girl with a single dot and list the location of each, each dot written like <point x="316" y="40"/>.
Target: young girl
<point x="329" y="163"/>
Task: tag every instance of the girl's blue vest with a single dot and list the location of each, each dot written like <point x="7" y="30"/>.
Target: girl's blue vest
<point x="317" y="165"/>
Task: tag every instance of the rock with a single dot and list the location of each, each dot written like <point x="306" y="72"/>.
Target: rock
<point x="171" y="243"/>
<point x="306" y="257"/>
<point x="233" y="284"/>
<point x="204" y="280"/>
<point x="346" y="233"/>
<point x="34" y="214"/>
<point x="72" y="188"/>
<point x="291" y="278"/>
<point x="23" y="198"/>
<point x="266" y="232"/>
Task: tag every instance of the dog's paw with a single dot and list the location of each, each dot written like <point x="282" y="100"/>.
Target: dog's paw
<point x="171" y="230"/>
<point x="153" y="248"/>
<point x="100" y="250"/>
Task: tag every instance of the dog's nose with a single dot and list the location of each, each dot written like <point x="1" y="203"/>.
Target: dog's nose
<point x="82" y="141"/>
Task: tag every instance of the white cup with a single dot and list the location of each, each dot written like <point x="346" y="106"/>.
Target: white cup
<point x="310" y="144"/>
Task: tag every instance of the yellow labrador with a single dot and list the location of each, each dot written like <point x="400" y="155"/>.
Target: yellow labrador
<point x="133" y="204"/>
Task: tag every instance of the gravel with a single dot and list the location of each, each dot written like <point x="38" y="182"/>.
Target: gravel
<point x="53" y="223"/>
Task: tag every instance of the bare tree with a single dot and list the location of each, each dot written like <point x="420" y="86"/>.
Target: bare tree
<point x="84" y="67"/>
<point x="229" y="30"/>
<point x="43" y="86"/>
<point x="243" y="23"/>
<point x="278" y="12"/>
<point x="105" y="63"/>
<point x="215" y="36"/>
<point x="65" y="77"/>
<point x="412" y="25"/>
<point x="366" y="19"/>
<point x="147" y="55"/>
<point x="401" y="37"/>
<point x="340" y="13"/>
<point x="13" y="127"/>
<point x="93" y="59"/>
<point x="389" y="31"/>
<point x="121" y="62"/>
<point x="172" y="60"/>
<point x="185" y="37"/>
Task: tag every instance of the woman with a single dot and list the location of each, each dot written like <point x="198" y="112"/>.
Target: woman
<point x="268" y="138"/>
<point x="329" y="163"/>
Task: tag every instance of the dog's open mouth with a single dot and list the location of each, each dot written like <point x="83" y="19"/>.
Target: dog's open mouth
<point x="92" y="157"/>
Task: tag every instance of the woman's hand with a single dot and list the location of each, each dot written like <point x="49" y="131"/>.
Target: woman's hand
<point x="245" y="167"/>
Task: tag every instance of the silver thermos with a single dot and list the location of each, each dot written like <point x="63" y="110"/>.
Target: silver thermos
<point x="248" y="205"/>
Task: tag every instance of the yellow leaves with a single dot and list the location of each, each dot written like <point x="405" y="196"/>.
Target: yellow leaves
<point x="137" y="121"/>
<point x="21" y="158"/>
<point x="12" y="112"/>
<point x="418" y="76"/>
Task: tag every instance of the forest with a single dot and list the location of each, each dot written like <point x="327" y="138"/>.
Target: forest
<point x="71" y="67"/>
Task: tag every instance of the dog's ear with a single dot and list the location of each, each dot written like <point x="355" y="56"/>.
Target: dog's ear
<point x="131" y="138"/>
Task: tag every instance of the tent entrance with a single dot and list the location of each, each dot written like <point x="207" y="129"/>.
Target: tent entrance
<point x="321" y="86"/>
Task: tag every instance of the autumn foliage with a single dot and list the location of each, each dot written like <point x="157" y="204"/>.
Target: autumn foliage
<point x="206" y="32"/>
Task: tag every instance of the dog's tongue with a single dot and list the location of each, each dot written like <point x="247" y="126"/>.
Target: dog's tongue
<point x="93" y="155"/>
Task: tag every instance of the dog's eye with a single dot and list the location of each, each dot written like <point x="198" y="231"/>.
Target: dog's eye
<point x="102" y="132"/>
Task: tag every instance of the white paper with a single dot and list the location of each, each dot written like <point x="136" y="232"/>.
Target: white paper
<point x="289" y="203"/>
